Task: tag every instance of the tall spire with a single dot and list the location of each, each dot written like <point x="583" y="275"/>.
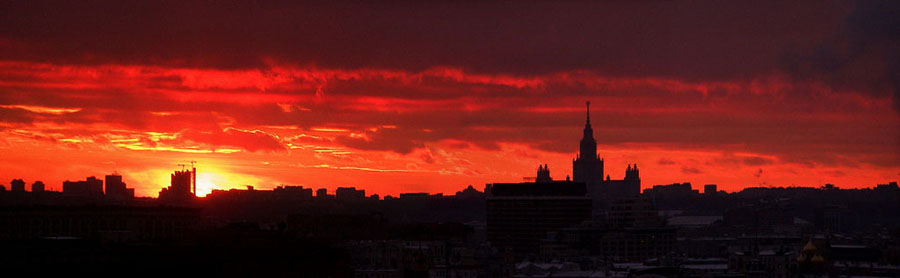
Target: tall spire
<point x="588" y="166"/>
<point x="588" y="131"/>
<point x="588" y="120"/>
<point x="588" y="148"/>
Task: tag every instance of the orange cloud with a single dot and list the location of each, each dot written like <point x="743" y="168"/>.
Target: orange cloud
<point x="437" y="129"/>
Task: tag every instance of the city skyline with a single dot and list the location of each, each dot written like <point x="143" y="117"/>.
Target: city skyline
<point x="394" y="101"/>
<point x="592" y="175"/>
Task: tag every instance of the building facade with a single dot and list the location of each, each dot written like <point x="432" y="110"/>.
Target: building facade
<point x="521" y="215"/>
<point x="88" y="188"/>
<point x="17" y="185"/>
<point x="183" y="187"/>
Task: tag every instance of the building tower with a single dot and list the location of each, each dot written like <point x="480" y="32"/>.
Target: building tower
<point x="632" y="173"/>
<point x="588" y="166"/>
<point x="115" y="187"/>
<point x="183" y="182"/>
<point x="543" y="174"/>
<point x="183" y="186"/>
<point x="17" y="185"/>
<point x="37" y="186"/>
<point x="193" y="178"/>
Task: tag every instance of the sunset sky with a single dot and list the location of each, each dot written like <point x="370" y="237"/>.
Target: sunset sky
<point x="432" y="97"/>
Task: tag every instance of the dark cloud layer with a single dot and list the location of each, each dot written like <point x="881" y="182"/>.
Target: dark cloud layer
<point x="862" y="55"/>
<point x="699" y="40"/>
<point x="847" y="45"/>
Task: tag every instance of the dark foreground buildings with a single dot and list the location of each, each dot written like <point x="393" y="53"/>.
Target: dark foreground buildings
<point x="546" y="228"/>
<point x="17" y="185"/>
<point x="590" y="215"/>
<point x="101" y="223"/>
<point x="541" y="229"/>
<point x="553" y="219"/>
<point x="520" y="215"/>
<point x="92" y="189"/>
<point x="88" y="188"/>
<point x="116" y="188"/>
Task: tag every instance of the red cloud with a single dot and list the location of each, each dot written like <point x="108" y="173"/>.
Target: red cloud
<point x="250" y="140"/>
<point x="346" y="119"/>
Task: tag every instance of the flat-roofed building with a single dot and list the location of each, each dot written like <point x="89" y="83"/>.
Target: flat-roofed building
<point x="88" y="188"/>
<point x="520" y="215"/>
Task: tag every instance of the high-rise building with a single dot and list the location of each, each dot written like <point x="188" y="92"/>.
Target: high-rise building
<point x="89" y="188"/>
<point x="588" y="165"/>
<point x="116" y="188"/>
<point x="17" y="185"/>
<point x="114" y="185"/>
<point x="587" y="168"/>
<point x="322" y="193"/>
<point x="710" y="189"/>
<point x="349" y="194"/>
<point x="182" y="187"/>
<point x="37" y="186"/>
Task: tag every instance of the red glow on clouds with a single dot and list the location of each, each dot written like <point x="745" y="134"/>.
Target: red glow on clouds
<point x="436" y="130"/>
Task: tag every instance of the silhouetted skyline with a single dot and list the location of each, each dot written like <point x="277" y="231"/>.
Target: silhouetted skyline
<point x="587" y="168"/>
<point x="429" y="96"/>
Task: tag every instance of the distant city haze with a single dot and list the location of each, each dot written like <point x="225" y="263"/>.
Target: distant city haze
<point x="427" y="97"/>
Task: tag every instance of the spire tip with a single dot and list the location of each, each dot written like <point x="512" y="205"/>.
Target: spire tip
<point x="588" y="104"/>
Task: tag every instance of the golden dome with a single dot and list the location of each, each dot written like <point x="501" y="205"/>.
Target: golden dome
<point x="818" y="259"/>
<point x="809" y="248"/>
<point x="801" y="258"/>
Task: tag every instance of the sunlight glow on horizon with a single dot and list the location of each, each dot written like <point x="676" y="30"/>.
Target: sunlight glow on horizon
<point x="207" y="181"/>
<point x="392" y="140"/>
<point x="209" y="178"/>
